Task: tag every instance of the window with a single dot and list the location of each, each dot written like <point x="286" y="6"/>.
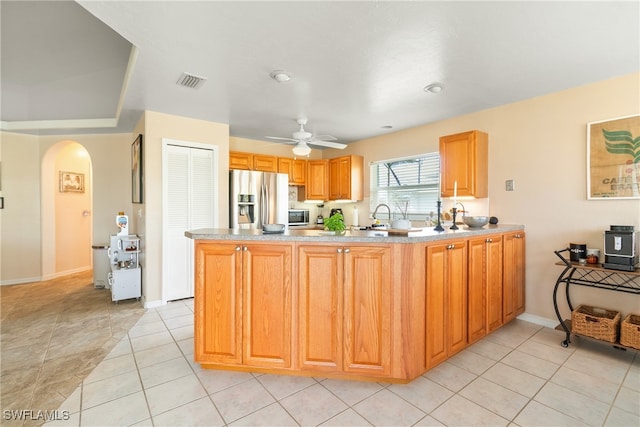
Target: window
<point x="411" y="183"/>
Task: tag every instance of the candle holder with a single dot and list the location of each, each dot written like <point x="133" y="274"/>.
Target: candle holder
<point x="454" y="211"/>
<point x="439" y="227"/>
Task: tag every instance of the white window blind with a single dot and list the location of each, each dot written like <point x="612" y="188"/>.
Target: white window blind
<point x="412" y="182"/>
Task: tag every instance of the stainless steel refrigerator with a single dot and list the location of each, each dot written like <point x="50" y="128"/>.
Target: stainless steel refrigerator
<point x="257" y="198"/>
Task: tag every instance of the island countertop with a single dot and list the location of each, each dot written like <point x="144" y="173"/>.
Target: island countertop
<point x="414" y="235"/>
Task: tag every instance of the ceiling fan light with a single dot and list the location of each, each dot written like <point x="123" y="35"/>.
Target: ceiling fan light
<point x="301" y="149"/>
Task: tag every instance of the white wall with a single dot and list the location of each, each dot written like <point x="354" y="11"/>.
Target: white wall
<point x="21" y="214"/>
<point x="157" y="126"/>
<point x="541" y="144"/>
<point x="22" y="217"/>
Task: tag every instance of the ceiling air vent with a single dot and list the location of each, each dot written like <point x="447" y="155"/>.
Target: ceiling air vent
<point x="191" y="80"/>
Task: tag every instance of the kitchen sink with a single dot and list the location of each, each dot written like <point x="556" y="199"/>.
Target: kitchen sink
<point x="367" y="233"/>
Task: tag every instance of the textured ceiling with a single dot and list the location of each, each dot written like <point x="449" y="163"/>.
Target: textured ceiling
<point x="357" y="66"/>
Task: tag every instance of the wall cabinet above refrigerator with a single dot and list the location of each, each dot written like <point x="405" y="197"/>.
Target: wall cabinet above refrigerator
<point x="252" y="162"/>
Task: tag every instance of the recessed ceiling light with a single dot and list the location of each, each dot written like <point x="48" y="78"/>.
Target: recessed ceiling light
<point x="280" y="76"/>
<point x="434" y="88"/>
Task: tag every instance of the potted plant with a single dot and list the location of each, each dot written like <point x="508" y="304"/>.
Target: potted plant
<point x="335" y="223"/>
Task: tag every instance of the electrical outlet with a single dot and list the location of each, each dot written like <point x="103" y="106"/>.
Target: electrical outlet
<point x="509" y="185"/>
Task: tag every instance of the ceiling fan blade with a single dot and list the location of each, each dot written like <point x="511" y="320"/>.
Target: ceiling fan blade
<point x="324" y="138"/>
<point x="283" y="139"/>
<point x="328" y="144"/>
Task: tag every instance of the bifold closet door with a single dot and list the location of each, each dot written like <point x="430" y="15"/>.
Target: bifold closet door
<point x="189" y="205"/>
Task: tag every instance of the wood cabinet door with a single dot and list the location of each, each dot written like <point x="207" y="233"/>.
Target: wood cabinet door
<point x="477" y="290"/>
<point x="265" y="163"/>
<point x="218" y="299"/>
<point x="340" y="178"/>
<point x="484" y="286"/>
<point x="367" y="310"/>
<point x="513" y="275"/>
<point x="267" y="299"/>
<point x="436" y="316"/>
<point x="298" y="174"/>
<point x="320" y="307"/>
<point x="334" y="179"/>
<point x="239" y="160"/>
<point x="464" y="160"/>
<point x="346" y="176"/>
<point x="317" y="185"/>
<point x="457" y="296"/>
<point x="284" y="166"/>
<point x="494" y="282"/>
<point x="446" y="293"/>
<point x="295" y="168"/>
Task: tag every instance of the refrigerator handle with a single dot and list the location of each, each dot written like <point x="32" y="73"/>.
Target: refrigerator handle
<point x="265" y="204"/>
<point x="261" y="213"/>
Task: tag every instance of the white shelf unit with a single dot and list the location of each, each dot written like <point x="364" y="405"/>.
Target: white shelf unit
<point x="125" y="278"/>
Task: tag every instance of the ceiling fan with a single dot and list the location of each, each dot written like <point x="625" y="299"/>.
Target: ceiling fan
<point x="302" y="138"/>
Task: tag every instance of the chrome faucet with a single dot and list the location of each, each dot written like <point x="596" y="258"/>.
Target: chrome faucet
<point x="376" y="210"/>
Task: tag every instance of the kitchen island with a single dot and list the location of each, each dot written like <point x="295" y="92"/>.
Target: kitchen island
<point x="369" y="304"/>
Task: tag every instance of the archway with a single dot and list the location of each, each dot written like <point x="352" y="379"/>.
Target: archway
<point x="67" y="204"/>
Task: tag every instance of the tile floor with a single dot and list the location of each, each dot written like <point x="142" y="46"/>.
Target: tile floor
<point x="53" y="334"/>
<point x="517" y="376"/>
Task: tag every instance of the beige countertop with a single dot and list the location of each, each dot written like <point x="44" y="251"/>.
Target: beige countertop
<point x="414" y="235"/>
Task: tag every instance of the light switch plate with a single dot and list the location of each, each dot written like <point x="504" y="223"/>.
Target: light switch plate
<point x="509" y="185"/>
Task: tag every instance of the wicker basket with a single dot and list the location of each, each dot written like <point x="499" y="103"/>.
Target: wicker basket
<point x="596" y="323"/>
<point x="630" y="331"/>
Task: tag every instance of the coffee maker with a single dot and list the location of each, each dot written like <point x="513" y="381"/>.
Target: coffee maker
<point x="621" y="248"/>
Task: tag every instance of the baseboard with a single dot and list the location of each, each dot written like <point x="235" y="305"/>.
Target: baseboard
<point x="152" y="304"/>
<point x="65" y="273"/>
<point x="538" y="320"/>
<point x="21" y="281"/>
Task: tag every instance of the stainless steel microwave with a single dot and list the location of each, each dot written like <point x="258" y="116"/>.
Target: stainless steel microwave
<point x="298" y="216"/>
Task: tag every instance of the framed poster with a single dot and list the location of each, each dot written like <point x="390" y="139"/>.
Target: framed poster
<point x="71" y="182"/>
<point x="136" y="170"/>
<point x="613" y="158"/>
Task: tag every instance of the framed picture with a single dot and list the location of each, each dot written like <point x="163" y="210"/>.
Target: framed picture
<point x="613" y="158"/>
<point x="71" y="182"/>
<point x="136" y="171"/>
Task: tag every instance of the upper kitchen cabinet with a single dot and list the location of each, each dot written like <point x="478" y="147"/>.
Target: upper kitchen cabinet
<point x="346" y="176"/>
<point x="265" y="163"/>
<point x="238" y="160"/>
<point x="252" y="162"/>
<point x="317" y="185"/>
<point x="295" y="168"/>
<point x="464" y="160"/>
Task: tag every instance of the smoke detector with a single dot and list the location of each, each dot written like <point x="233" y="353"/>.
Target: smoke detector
<point x="280" y="76"/>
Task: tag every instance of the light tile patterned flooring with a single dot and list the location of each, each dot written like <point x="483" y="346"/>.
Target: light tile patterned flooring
<point x="518" y="376"/>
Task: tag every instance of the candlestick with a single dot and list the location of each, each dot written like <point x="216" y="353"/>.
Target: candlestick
<point x="455" y="192"/>
<point x="439" y="225"/>
<point x="454" y="211"/>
